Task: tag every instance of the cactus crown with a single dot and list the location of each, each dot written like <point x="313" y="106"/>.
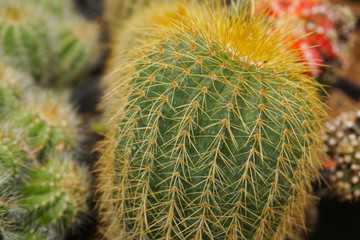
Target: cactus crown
<point x="216" y="127"/>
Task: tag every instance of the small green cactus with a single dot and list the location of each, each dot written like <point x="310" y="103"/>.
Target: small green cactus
<point x="24" y="40"/>
<point x="55" y="47"/>
<point x="76" y="47"/>
<point x="213" y="130"/>
<point x="48" y="122"/>
<point x="55" y="194"/>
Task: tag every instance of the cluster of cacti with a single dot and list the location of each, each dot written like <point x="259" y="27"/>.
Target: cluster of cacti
<point x="342" y="145"/>
<point x="47" y="39"/>
<point x="43" y="190"/>
<point x="213" y="128"/>
<point x="330" y="28"/>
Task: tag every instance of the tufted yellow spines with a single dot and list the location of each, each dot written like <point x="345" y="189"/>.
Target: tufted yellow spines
<point x="213" y="127"/>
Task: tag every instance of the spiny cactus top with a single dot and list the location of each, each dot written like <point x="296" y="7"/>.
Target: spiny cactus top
<point x="48" y="122"/>
<point x="213" y="130"/>
<point x="342" y="146"/>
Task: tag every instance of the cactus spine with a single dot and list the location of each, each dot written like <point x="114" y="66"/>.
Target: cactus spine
<point x="213" y="130"/>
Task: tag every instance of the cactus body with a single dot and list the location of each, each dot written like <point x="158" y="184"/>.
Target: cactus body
<point x="55" y="194"/>
<point x="24" y="40"/>
<point x="213" y="133"/>
<point x="48" y="122"/>
<point x="76" y="47"/>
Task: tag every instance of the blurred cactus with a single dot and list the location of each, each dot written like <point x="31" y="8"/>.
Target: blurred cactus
<point x="12" y="88"/>
<point x="49" y="122"/>
<point x="330" y="27"/>
<point x="77" y="48"/>
<point x="213" y="130"/>
<point x="54" y="47"/>
<point x="342" y="144"/>
<point x="25" y="40"/>
<point x="55" y="195"/>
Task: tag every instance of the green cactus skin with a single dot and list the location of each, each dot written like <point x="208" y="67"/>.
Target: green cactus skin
<point x="76" y="48"/>
<point x="205" y="141"/>
<point x="48" y="122"/>
<point x="24" y="40"/>
<point x="55" y="194"/>
<point x="12" y="88"/>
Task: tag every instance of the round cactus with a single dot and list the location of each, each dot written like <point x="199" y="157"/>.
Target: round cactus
<point x="24" y="40"/>
<point x="76" y="47"/>
<point x="55" y="194"/>
<point x="213" y="130"/>
<point x="342" y="146"/>
<point x="48" y="122"/>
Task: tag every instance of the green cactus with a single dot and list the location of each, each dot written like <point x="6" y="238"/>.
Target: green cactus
<point x="55" y="194"/>
<point x="48" y="122"/>
<point x="214" y="128"/>
<point x="12" y="88"/>
<point x="24" y="40"/>
<point x="76" y="47"/>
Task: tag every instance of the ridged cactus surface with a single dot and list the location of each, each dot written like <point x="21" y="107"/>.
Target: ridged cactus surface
<point x="213" y="130"/>
<point x="48" y="122"/>
<point x="55" y="194"/>
<point x="76" y="46"/>
<point x="24" y="40"/>
<point x="48" y="39"/>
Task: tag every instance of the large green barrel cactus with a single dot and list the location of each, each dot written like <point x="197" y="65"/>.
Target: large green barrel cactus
<point x="213" y="131"/>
